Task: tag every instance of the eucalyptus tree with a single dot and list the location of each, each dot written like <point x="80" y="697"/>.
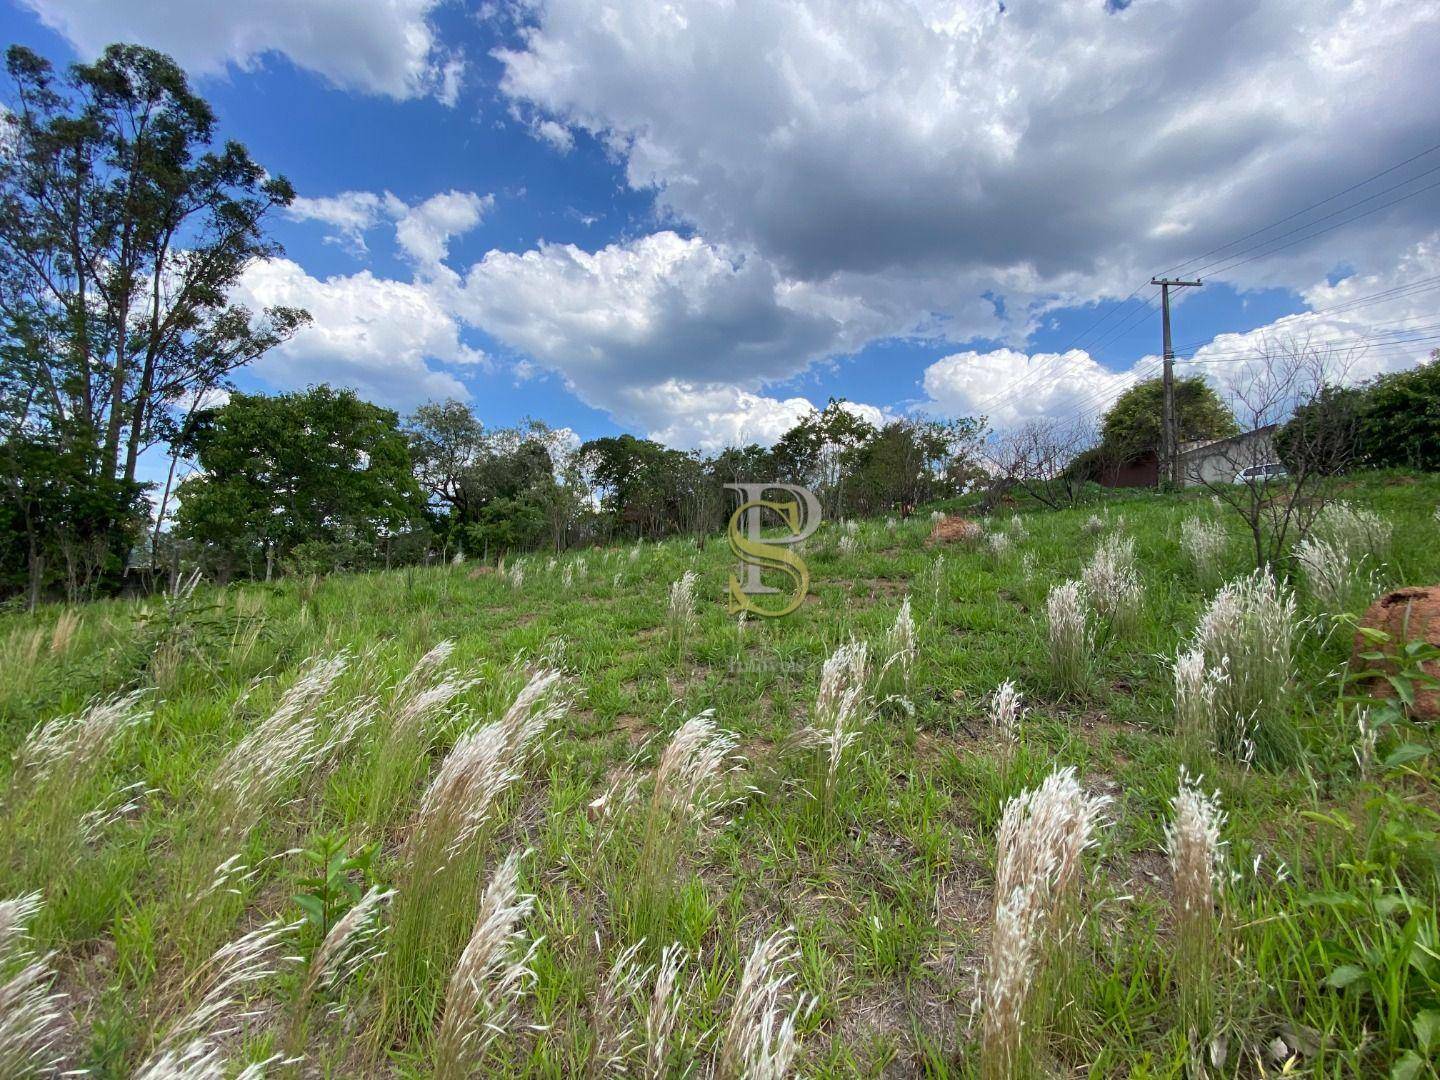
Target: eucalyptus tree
<point x="125" y="227"/>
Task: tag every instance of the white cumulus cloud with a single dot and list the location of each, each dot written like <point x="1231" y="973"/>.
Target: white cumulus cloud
<point x="370" y="333"/>
<point x="376" y="46"/>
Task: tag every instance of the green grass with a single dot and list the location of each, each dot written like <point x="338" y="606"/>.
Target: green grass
<point x="1331" y="926"/>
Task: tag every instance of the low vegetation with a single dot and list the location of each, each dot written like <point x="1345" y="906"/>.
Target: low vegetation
<point x="1098" y="798"/>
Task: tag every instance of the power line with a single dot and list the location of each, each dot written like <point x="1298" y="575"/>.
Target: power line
<point x="1305" y="210"/>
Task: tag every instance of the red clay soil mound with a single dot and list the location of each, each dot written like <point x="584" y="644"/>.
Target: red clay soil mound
<point x="953" y="529"/>
<point x="1409" y="614"/>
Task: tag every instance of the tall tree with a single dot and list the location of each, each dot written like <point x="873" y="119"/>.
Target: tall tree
<point x="1131" y="427"/>
<point x="124" y="229"/>
<point x="320" y="468"/>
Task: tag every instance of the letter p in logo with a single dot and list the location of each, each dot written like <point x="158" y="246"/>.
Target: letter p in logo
<point x="756" y="552"/>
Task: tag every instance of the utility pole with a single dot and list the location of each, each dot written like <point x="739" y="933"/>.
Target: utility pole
<point x="1169" y="436"/>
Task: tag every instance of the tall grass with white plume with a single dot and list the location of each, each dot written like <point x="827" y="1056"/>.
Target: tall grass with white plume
<point x="840" y="711"/>
<point x="491" y="975"/>
<point x="1360" y="533"/>
<point x="615" y="1043"/>
<point x="1197" y="690"/>
<point x="1070" y="634"/>
<point x="1197" y="866"/>
<point x="62" y="779"/>
<point x="662" y="1014"/>
<point x="354" y="943"/>
<point x="30" y="1011"/>
<point x="1247" y="635"/>
<point x="1040" y="849"/>
<point x="691" y="785"/>
<point x="209" y="1004"/>
<point x="1007" y="713"/>
<point x="404" y="731"/>
<point x="1112" y="583"/>
<point x="680" y="614"/>
<point x="1206" y="545"/>
<point x="443" y="854"/>
<point x="1337" y="580"/>
<point x="901" y="645"/>
<point x="760" y="1040"/>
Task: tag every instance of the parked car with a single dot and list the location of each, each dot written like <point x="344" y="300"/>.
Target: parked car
<point x="1258" y="474"/>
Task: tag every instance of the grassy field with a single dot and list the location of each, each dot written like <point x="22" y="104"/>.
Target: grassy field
<point x="445" y="822"/>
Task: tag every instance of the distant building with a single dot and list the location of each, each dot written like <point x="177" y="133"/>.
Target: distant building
<point x="1207" y="461"/>
<point x="1218" y="461"/>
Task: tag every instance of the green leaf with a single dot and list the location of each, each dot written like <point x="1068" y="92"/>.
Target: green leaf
<point x="1426" y="1026"/>
<point x="1403" y="754"/>
<point x="313" y="908"/>
<point x="1408" y="1067"/>
<point x="1343" y="976"/>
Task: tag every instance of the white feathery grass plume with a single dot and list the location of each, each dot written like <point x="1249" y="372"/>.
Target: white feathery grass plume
<point x="615" y="1043"/>
<point x="900" y="641"/>
<point x="760" y="1041"/>
<point x="199" y="1060"/>
<point x="1247" y="634"/>
<point x="999" y="543"/>
<point x="1361" y="534"/>
<point x="457" y="803"/>
<point x="1196" y="691"/>
<point x="1005" y="989"/>
<point x="1204" y="543"/>
<point x="1043" y="835"/>
<point x="1069" y="633"/>
<point x="1367" y="738"/>
<point x="567" y="579"/>
<point x="689" y="779"/>
<point x="634" y="554"/>
<point x="682" y="603"/>
<point x="663" y="1011"/>
<point x="458" y="559"/>
<point x="77" y="744"/>
<point x="1197" y="864"/>
<point x="1041" y="843"/>
<point x="1007" y="711"/>
<point x="1334" y="575"/>
<point x="29" y="1012"/>
<point x="482" y="764"/>
<point x="848" y="545"/>
<point x="351" y="943"/>
<point x="540" y="702"/>
<point x="493" y="972"/>
<point x="850" y="527"/>
<point x="1112" y="581"/>
<point x="196" y="1060"/>
<point x="890" y="524"/>
<point x="1027" y="566"/>
<point x="1094" y="524"/>
<point x="1194" y="849"/>
<point x="937" y="515"/>
<point x="281" y="747"/>
<point x="1016" y="525"/>
<point x="839" y="705"/>
<point x="222" y="983"/>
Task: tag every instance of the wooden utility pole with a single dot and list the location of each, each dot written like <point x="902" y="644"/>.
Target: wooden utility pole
<point x="1169" y="436"/>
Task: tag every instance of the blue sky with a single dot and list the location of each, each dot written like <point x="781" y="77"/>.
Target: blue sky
<point x="694" y="219"/>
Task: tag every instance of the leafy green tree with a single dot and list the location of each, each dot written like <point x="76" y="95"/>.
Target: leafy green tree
<point x="1400" y="423"/>
<point x="1132" y="426"/>
<point x="1324" y="433"/>
<point x="123" y="231"/>
<point x="319" y="467"/>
